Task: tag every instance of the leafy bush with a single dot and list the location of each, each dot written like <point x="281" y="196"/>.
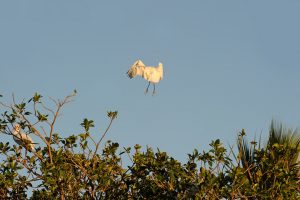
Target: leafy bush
<point x="75" y="167"/>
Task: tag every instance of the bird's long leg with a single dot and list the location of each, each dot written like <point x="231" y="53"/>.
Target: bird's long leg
<point x="153" y="89"/>
<point x="19" y="153"/>
<point x="26" y="152"/>
<point x="146" y="91"/>
<point x="24" y="160"/>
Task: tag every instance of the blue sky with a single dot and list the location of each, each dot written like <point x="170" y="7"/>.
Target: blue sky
<point x="228" y="65"/>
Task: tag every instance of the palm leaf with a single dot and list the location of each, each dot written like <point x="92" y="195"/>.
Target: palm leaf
<point x="286" y="137"/>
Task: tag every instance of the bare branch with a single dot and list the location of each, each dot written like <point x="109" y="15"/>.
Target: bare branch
<point x="92" y="140"/>
<point x="108" y="127"/>
<point x="4" y="105"/>
<point x="48" y="109"/>
<point x="55" y="102"/>
<point x="44" y="131"/>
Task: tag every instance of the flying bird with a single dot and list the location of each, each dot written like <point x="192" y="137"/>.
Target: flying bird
<point x="149" y="73"/>
<point x="22" y="138"/>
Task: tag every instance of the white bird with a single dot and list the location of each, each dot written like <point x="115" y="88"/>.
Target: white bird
<point x="22" y="138"/>
<point x="151" y="74"/>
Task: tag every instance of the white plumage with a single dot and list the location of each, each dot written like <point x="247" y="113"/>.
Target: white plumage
<point x="22" y="138"/>
<point x="151" y="74"/>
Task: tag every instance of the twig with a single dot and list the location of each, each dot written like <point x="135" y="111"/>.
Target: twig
<point x="108" y="127"/>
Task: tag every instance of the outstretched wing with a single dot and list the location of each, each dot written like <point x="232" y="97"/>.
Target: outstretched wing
<point x="136" y="69"/>
<point x="139" y="63"/>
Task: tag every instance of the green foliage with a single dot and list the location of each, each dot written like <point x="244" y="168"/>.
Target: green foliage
<point x="270" y="171"/>
<point x="87" y="124"/>
<point x="76" y="167"/>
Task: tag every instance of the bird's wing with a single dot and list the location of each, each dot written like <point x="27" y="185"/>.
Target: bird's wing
<point x="139" y="63"/>
<point x="28" y="139"/>
<point x="136" y="69"/>
<point x="148" y="73"/>
<point x="23" y="137"/>
<point x="153" y="74"/>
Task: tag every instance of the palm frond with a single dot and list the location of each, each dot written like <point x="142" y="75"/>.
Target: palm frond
<point x="285" y="137"/>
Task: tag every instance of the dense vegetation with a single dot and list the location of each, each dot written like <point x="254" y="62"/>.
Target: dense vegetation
<point x="77" y="168"/>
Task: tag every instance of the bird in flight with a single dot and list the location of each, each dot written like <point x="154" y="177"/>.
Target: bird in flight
<point x="22" y="138"/>
<point x="149" y="73"/>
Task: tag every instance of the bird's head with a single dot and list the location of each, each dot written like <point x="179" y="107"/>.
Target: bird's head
<point x="17" y="128"/>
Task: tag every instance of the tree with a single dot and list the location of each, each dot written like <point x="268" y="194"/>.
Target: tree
<point x="76" y="167"/>
<point x="269" y="167"/>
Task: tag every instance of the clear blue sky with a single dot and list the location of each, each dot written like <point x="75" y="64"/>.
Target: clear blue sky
<point x="228" y="65"/>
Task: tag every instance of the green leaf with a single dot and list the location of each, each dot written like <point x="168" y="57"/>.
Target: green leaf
<point x="21" y="106"/>
<point x="36" y="98"/>
<point x="87" y="124"/>
<point x="27" y="113"/>
<point x="42" y="117"/>
<point x="112" y="115"/>
<point x="82" y="135"/>
<point x="137" y="146"/>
